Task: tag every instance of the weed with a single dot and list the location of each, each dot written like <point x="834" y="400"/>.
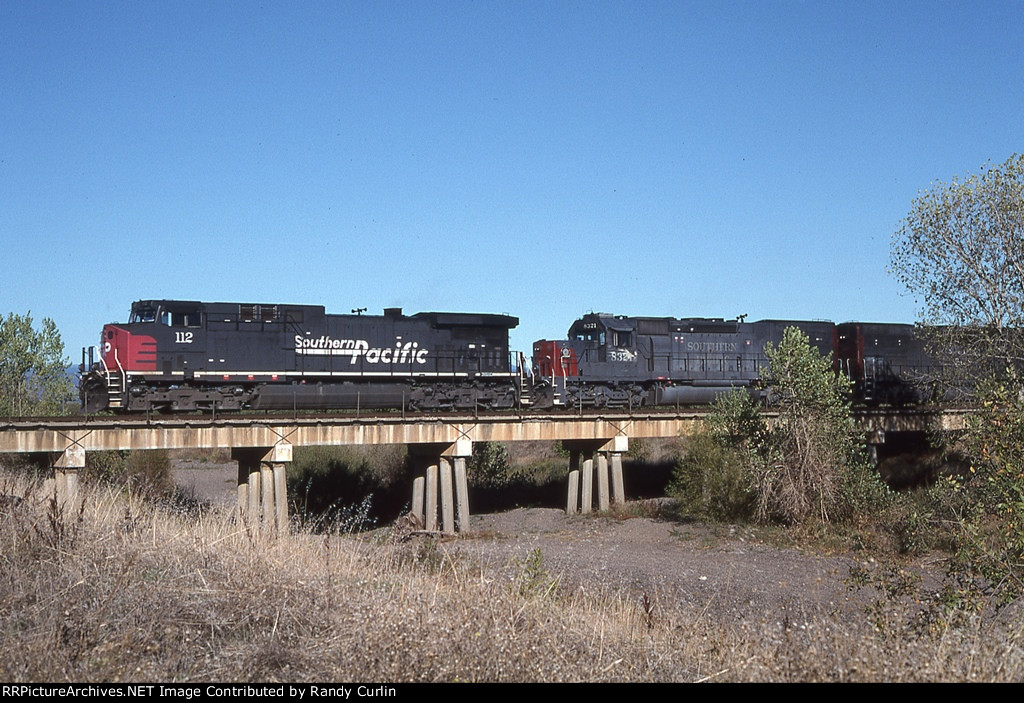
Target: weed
<point x="647" y="608"/>
<point x="337" y="518"/>
<point x="430" y="555"/>
<point x="534" y="580"/>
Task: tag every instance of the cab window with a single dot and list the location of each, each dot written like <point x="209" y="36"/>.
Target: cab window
<point x="189" y="317"/>
<point x="143" y="315"/>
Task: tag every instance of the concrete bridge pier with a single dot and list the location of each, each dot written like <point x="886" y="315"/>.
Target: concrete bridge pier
<point x="618" y="487"/>
<point x="444" y="484"/>
<point x="263" y="485"/>
<point x="65" y="476"/>
<point x="587" y="487"/>
<point x="581" y="453"/>
<point x="874" y="441"/>
<point x="603" y="457"/>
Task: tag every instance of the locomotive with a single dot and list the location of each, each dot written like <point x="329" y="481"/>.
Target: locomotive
<point x="888" y="364"/>
<point x="618" y="361"/>
<point x="615" y="361"/>
<point x="177" y="355"/>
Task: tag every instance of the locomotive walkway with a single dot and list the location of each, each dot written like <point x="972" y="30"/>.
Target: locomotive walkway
<point x="262" y="446"/>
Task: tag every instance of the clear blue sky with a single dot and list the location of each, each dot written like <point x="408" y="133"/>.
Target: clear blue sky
<point x="542" y="159"/>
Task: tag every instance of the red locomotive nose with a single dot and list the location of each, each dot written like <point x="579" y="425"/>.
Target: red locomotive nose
<point x="124" y="351"/>
<point x="552" y="360"/>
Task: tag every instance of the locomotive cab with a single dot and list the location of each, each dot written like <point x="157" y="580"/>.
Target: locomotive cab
<point x="135" y="353"/>
<point x="602" y="338"/>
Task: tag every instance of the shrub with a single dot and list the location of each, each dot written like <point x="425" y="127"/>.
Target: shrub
<point x="711" y="477"/>
<point x="709" y="480"/>
<point x="330" y="486"/>
<point x="489" y="467"/>
<point x="984" y="509"/>
<point x="804" y="469"/>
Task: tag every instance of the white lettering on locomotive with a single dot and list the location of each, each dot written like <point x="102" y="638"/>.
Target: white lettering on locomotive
<point x="711" y="346"/>
<point x="621" y="355"/>
<point x="407" y="353"/>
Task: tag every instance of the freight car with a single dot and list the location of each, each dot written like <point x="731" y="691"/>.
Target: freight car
<point x="620" y="361"/>
<point x="175" y="355"/>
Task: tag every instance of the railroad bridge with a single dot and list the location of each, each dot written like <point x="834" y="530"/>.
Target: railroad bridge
<point x="262" y="446"/>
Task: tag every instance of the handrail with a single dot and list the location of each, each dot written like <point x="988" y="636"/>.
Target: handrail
<point x="120" y="370"/>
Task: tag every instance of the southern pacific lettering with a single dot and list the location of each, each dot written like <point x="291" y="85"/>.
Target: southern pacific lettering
<point x="355" y="349"/>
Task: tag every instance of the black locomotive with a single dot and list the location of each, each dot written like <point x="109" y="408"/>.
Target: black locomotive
<point x="618" y="361"/>
<point x="177" y="355"/>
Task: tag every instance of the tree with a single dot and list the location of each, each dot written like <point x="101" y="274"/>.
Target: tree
<point x="33" y="380"/>
<point x="812" y="448"/>
<point x="806" y="465"/>
<point x="960" y="250"/>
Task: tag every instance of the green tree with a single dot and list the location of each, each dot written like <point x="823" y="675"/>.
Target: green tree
<point x="805" y="467"/>
<point x="960" y="251"/>
<point x="32" y="368"/>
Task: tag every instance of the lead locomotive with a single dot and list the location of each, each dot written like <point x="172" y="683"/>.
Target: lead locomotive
<point x="176" y="355"/>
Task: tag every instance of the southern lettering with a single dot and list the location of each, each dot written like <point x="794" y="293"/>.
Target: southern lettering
<point x="711" y="346"/>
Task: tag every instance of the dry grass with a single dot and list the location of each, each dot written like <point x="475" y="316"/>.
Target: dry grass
<point x="123" y="591"/>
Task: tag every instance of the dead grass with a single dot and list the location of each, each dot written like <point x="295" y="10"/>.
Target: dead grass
<point x="124" y="591"/>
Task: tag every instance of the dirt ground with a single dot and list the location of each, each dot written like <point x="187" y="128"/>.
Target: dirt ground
<point x="723" y="570"/>
<point x="710" y="568"/>
<point x="216" y="483"/>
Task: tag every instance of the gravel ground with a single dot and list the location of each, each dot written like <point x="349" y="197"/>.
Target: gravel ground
<point x="716" y="569"/>
<point x="216" y="483"/>
<point x="708" y="568"/>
